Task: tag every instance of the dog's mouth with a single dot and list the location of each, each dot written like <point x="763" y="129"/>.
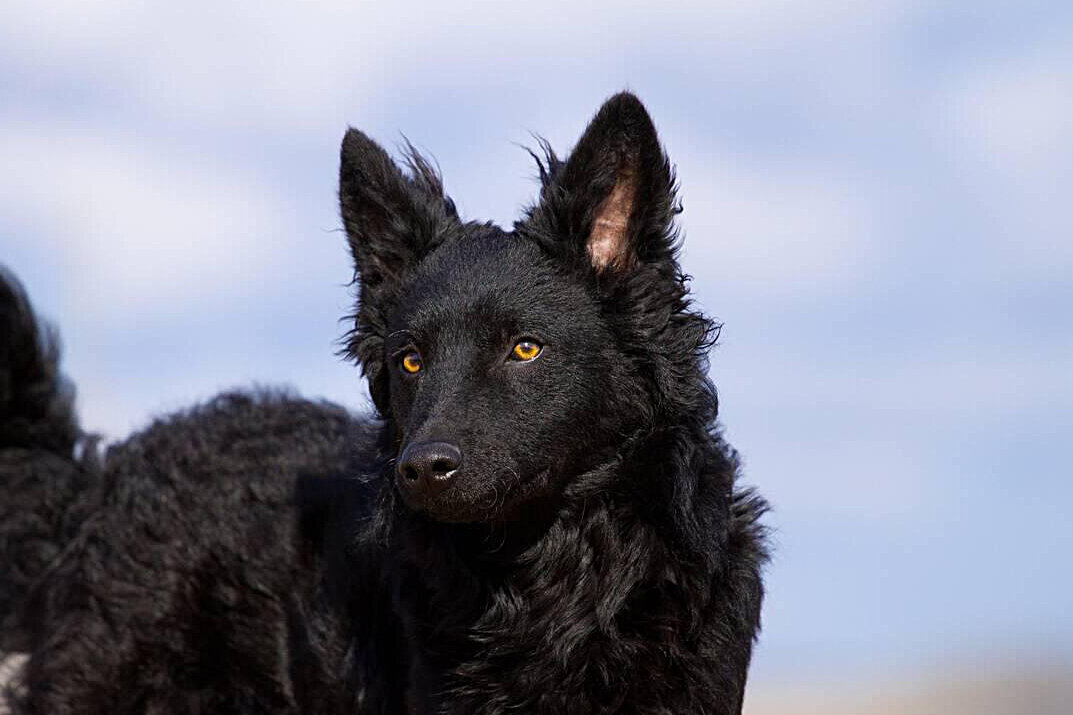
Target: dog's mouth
<point x="471" y="497"/>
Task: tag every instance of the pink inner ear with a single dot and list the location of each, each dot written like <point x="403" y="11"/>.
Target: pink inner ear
<point x="609" y="239"/>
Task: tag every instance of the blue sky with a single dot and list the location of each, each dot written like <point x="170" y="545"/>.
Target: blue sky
<point x="877" y="203"/>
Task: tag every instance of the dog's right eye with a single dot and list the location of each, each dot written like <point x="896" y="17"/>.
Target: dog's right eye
<point x="411" y="362"/>
<point x="526" y="351"/>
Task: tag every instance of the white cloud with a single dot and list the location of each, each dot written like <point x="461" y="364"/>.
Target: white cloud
<point x="872" y="438"/>
<point x="1008" y="125"/>
<point x="960" y="382"/>
<point x="1015" y="113"/>
<point x="136" y="225"/>
<point x="226" y="62"/>
<point x="772" y="230"/>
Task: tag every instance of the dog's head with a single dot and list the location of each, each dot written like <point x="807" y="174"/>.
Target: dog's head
<point x="507" y="363"/>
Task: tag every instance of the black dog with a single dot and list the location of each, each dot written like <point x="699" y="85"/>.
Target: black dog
<point x="542" y="519"/>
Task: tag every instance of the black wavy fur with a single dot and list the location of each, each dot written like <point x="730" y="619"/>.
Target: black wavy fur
<point x="583" y="548"/>
<point x="39" y="472"/>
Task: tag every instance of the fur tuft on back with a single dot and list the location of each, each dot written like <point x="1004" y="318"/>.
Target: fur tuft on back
<point x="36" y="404"/>
<point x="40" y="477"/>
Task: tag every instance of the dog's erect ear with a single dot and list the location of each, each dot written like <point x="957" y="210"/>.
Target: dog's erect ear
<point x="613" y="200"/>
<point x="391" y="219"/>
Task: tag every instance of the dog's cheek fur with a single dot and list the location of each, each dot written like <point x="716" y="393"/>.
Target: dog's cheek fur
<point x="565" y="423"/>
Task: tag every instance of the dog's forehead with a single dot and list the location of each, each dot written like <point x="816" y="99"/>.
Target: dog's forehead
<point x="490" y="255"/>
<point x="482" y="277"/>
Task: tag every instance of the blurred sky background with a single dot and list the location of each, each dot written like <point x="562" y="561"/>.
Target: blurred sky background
<point x="878" y="205"/>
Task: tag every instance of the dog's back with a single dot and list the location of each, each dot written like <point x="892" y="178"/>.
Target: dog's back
<point x="171" y="574"/>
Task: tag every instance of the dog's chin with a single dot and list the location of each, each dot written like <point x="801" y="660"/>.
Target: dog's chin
<point x="461" y="503"/>
<point x="448" y="511"/>
<point x="530" y="502"/>
<point x="456" y="505"/>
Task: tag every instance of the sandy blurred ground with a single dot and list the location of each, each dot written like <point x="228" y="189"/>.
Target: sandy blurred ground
<point x="990" y="691"/>
<point x="996" y="692"/>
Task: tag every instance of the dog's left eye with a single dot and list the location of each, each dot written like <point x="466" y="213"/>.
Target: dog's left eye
<point x="411" y="362"/>
<point x="526" y="350"/>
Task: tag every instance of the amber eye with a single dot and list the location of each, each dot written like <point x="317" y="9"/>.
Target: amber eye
<point x="525" y="350"/>
<point x="411" y="362"/>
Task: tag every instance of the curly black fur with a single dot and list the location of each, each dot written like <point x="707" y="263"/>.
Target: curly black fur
<point x="39" y="472"/>
<point x="590" y="552"/>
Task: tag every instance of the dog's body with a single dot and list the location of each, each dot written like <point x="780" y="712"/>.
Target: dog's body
<point x="542" y="518"/>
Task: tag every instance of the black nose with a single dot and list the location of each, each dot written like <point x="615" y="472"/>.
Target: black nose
<point x="427" y="468"/>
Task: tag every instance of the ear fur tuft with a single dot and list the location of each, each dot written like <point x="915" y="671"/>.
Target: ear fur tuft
<point x="611" y="204"/>
<point x="391" y="219"/>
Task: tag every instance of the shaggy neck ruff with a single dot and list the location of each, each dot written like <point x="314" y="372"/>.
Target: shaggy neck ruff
<point x="581" y="594"/>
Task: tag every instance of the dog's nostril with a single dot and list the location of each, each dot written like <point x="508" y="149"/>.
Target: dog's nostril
<point x="443" y="466"/>
<point x="409" y="472"/>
